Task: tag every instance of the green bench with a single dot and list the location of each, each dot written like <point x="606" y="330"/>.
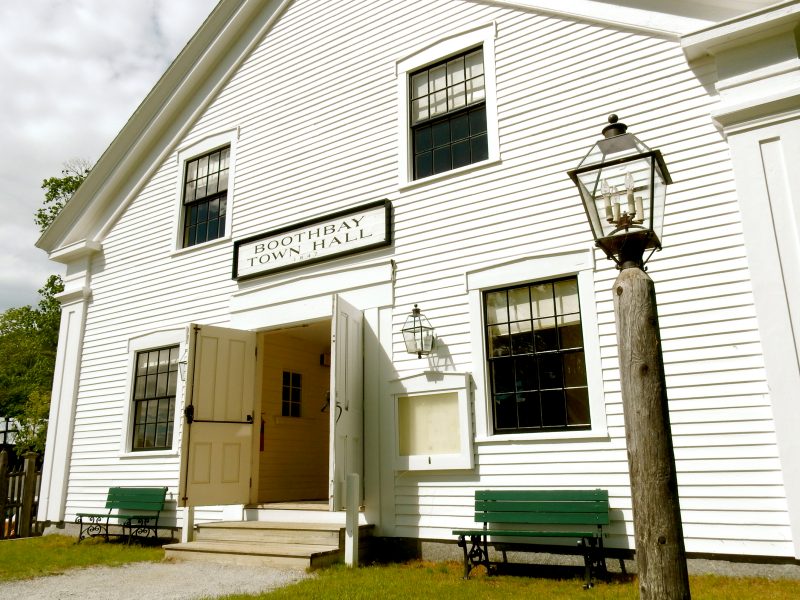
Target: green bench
<point x="136" y="509"/>
<point x="577" y="514"/>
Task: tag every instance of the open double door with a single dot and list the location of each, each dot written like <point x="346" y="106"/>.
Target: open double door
<point x="220" y="404"/>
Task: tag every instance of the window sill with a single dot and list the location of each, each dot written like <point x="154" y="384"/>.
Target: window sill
<point x="550" y="436"/>
<point x="205" y="245"/>
<point x="149" y="454"/>
<point x="448" y="174"/>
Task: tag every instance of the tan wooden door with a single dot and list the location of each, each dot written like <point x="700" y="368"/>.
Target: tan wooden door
<point x="218" y="417"/>
<point x="347" y="400"/>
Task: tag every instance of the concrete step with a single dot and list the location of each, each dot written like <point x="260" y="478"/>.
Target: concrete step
<point x="271" y="513"/>
<point x="296" y="556"/>
<point x="283" y="533"/>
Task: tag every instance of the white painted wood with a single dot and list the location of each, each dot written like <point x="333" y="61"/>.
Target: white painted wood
<point x="351" y="524"/>
<point x="455" y="426"/>
<point x="60" y="433"/>
<point x="346" y="402"/>
<point x="187" y="525"/>
<point x="311" y="142"/>
<point x="216" y="453"/>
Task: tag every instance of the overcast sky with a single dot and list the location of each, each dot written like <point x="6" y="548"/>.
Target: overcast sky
<point x="71" y="73"/>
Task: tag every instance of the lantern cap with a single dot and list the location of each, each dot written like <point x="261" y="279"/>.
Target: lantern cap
<point x="614" y="128"/>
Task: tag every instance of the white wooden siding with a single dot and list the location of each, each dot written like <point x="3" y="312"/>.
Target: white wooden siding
<point x="316" y="109"/>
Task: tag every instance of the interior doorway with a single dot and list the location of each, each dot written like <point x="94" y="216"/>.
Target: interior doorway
<point x="294" y="423"/>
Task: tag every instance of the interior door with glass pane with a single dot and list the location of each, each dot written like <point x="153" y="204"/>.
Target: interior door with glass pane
<point x="347" y="400"/>
<point x="218" y="417"/>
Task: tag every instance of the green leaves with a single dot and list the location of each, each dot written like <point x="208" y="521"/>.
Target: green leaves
<point x="28" y="341"/>
<point x="58" y="190"/>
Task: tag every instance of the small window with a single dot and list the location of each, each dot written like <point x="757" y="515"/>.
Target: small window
<point x="537" y="367"/>
<point x="291" y="394"/>
<point x="155" y="382"/>
<point x="448" y="114"/>
<point x="205" y="191"/>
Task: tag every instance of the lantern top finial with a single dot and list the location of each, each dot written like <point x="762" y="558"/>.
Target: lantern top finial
<point x="614" y="128"/>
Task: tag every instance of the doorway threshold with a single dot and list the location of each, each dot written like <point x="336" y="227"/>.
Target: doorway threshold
<point x="321" y="505"/>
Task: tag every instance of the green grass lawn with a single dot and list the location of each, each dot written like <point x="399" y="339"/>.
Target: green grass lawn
<point x="50" y="554"/>
<point x="442" y="581"/>
<point x="33" y="557"/>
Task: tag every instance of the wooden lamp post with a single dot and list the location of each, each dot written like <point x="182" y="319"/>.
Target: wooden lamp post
<point x="623" y="188"/>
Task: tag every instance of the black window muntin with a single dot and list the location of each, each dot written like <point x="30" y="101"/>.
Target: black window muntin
<point x="448" y="118"/>
<point x="205" y="191"/>
<point x="291" y="394"/>
<point x="154" y="385"/>
<point x="537" y="370"/>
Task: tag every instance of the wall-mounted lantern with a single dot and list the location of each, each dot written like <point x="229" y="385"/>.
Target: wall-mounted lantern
<point x="418" y="334"/>
<point x="623" y="188"/>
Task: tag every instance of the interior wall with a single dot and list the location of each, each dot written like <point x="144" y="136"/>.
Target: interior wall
<point x="294" y="451"/>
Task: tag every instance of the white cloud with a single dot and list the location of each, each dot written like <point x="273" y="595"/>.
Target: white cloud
<point x="71" y="73"/>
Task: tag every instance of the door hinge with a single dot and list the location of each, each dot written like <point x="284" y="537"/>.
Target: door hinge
<point x="251" y="482"/>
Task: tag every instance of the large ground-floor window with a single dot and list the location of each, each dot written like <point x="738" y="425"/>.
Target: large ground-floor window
<point x="537" y="367"/>
<point x="155" y="382"/>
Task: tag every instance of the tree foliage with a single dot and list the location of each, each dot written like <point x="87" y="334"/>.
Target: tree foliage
<point x="28" y="341"/>
<point x="60" y="189"/>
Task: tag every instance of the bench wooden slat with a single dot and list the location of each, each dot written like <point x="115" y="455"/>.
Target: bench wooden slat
<point x="552" y="495"/>
<point x="597" y="506"/>
<point x="543" y="518"/>
<point x="516" y="533"/>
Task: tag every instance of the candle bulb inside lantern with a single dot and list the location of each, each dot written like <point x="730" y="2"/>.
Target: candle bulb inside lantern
<point x="606" y="191"/>
<point x="630" y="185"/>
<point x="615" y="204"/>
<point x="639" y="210"/>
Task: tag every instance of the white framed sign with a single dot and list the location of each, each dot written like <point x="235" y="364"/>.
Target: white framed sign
<point x="432" y="424"/>
<point x="332" y="236"/>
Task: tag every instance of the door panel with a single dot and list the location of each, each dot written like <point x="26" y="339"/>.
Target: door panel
<point x="347" y="400"/>
<point x="218" y="437"/>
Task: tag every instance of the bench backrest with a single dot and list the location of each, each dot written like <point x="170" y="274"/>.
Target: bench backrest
<point x="136" y="499"/>
<point x="557" y="507"/>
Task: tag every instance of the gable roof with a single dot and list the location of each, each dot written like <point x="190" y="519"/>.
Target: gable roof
<point x="213" y="54"/>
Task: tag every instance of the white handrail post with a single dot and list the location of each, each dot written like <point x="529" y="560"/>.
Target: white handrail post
<point x="351" y="522"/>
<point x="187" y="531"/>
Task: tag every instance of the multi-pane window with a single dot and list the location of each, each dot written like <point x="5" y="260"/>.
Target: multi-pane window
<point x="448" y="114"/>
<point x="155" y="382"/>
<point x="291" y="393"/>
<point x="205" y="191"/>
<point x="536" y="360"/>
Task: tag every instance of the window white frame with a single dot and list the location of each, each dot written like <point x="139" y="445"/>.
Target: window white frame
<point x="432" y="384"/>
<point x="159" y="339"/>
<point x="527" y="270"/>
<point x="188" y="152"/>
<point x="483" y="36"/>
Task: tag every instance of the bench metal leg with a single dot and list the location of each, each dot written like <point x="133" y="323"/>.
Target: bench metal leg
<point x="594" y="559"/>
<point x="141" y="527"/>
<point x="478" y="554"/>
<point x="91" y="526"/>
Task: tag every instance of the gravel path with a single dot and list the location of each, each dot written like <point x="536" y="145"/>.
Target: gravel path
<point x="146" y="581"/>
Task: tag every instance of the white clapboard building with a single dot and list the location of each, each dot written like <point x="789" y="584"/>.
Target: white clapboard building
<point x="243" y="257"/>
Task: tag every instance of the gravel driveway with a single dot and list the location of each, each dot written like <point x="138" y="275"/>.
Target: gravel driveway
<point x="146" y="581"/>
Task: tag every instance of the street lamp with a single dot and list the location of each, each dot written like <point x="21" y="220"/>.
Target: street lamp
<point x="418" y="333"/>
<point x="622" y="184"/>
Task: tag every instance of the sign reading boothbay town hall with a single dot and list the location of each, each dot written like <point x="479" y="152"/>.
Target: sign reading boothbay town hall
<point x="353" y="230"/>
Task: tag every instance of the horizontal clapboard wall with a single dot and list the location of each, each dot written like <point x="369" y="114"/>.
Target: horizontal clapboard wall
<point x="316" y="109"/>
